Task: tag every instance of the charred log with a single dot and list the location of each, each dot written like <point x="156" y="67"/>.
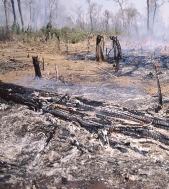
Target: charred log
<point x="88" y="114"/>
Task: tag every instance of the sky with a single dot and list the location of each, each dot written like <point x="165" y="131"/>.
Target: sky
<point x="113" y="7"/>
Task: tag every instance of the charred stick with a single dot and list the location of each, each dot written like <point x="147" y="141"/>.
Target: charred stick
<point x="43" y="64"/>
<point x="160" y="101"/>
<point x="141" y="132"/>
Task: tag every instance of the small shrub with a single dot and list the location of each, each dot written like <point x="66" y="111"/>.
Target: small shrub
<point x="4" y="34"/>
<point x="15" y="28"/>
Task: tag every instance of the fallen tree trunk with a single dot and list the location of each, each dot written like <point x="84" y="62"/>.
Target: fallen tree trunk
<point x="87" y="113"/>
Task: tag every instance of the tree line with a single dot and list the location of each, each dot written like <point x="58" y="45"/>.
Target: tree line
<point x="93" y="18"/>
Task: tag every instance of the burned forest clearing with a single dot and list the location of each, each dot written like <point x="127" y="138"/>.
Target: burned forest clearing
<point x="84" y="123"/>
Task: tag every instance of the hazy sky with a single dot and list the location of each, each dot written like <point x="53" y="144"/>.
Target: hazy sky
<point x="112" y="6"/>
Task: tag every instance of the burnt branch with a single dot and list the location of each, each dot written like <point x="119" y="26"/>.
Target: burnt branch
<point x="89" y="114"/>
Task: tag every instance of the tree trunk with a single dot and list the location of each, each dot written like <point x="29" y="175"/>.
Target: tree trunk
<point x="91" y="22"/>
<point x="155" y="8"/>
<point x="148" y="17"/>
<point x="13" y="11"/>
<point x="36" y="66"/>
<point x="30" y="10"/>
<point x="20" y="12"/>
<point x="99" y="45"/>
<point x="90" y="14"/>
<point x="6" y="16"/>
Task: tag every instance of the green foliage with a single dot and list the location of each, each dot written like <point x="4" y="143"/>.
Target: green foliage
<point x="117" y="32"/>
<point x="65" y="34"/>
<point x="15" y="28"/>
<point x="48" y="32"/>
<point x="4" y="34"/>
<point x="46" y="29"/>
<point x="77" y="36"/>
<point x="73" y="35"/>
<point x="49" y="26"/>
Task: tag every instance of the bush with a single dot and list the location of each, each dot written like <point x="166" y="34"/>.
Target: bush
<point x="16" y="28"/>
<point x="77" y="35"/>
<point x="4" y="34"/>
<point x="72" y="35"/>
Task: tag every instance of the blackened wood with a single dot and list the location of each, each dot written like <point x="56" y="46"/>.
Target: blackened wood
<point x="36" y="66"/>
<point x="117" y="51"/>
<point x="160" y="100"/>
<point x="9" y="91"/>
<point x="102" y="119"/>
<point x="43" y="64"/>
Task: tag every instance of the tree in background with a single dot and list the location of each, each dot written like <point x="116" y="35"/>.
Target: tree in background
<point x="35" y="9"/>
<point x="52" y="5"/>
<point x="130" y="14"/>
<point x="91" y="9"/>
<point x="80" y="16"/>
<point x="107" y="15"/>
<point x="148" y="17"/>
<point x="120" y="3"/>
<point x="6" y="15"/>
<point x="13" y="11"/>
<point x="97" y="17"/>
<point x="20" y="12"/>
<point x="155" y="4"/>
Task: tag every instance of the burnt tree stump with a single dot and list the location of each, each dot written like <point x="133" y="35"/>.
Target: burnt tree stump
<point x="99" y="46"/>
<point x="36" y="66"/>
<point x="117" y="51"/>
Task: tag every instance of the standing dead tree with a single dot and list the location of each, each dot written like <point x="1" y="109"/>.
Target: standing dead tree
<point x="117" y="51"/>
<point x="58" y="44"/>
<point x="99" y="47"/>
<point x="36" y="66"/>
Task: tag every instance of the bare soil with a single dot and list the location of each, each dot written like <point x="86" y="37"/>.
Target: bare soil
<point x="16" y="62"/>
<point x="74" y="158"/>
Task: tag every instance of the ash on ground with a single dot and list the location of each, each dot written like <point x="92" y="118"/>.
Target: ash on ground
<point x="39" y="150"/>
